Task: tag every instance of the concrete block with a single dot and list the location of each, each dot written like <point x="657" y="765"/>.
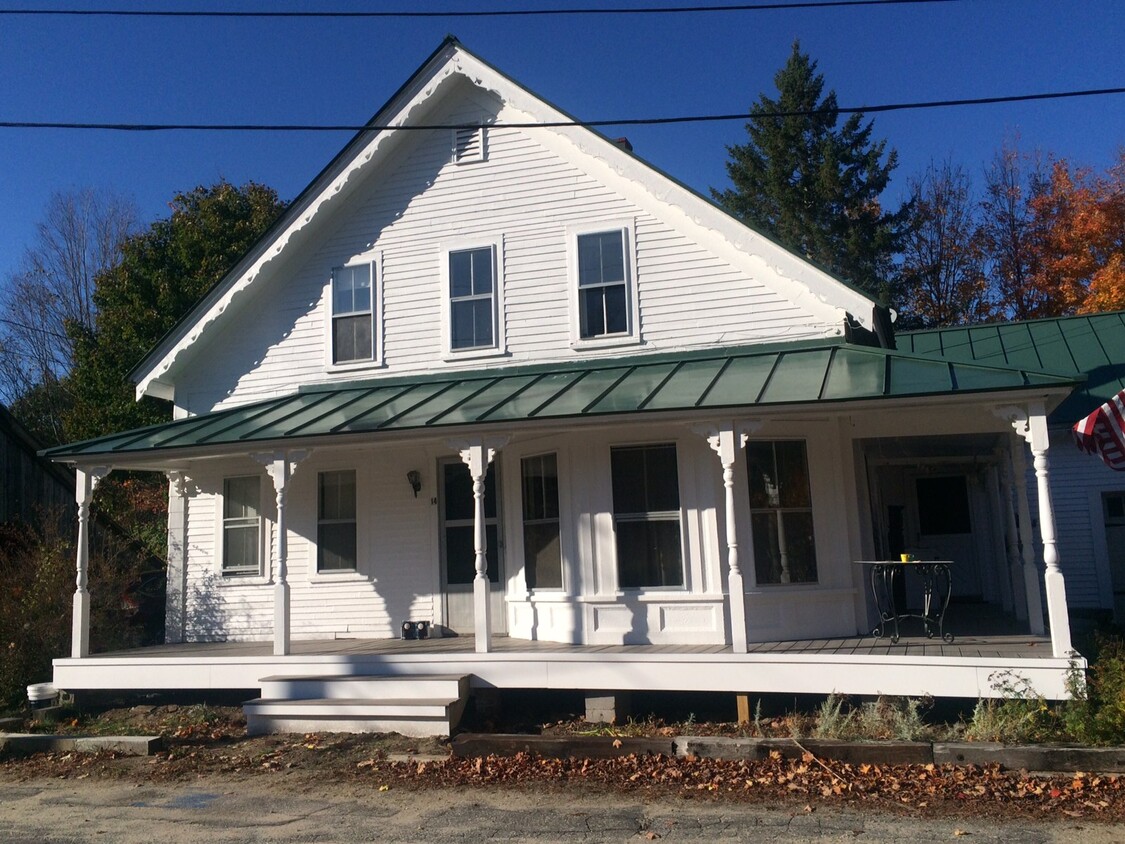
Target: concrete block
<point x="607" y="707"/>
<point x="27" y="743"/>
<point x="856" y="753"/>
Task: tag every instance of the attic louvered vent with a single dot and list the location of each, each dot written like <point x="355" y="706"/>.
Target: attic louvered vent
<point x="468" y="144"/>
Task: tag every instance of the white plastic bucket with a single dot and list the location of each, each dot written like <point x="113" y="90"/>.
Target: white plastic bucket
<point x="42" y="695"/>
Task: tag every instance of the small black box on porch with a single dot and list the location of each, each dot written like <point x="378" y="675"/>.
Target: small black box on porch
<point x="416" y="630"/>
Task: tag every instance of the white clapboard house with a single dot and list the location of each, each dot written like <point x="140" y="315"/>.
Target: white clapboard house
<point x="507" y="379"/>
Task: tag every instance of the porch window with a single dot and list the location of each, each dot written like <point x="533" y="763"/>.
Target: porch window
<point x="781" y="512"/>
<point x="242" y="526"/>
<point x="336" y="524"/>
<point x="352" y="314"/>
<point x="542" y="557"/>
<point x="472" y="299"/>
<point x="603" y="285"/>
<point x="646" y="516"/>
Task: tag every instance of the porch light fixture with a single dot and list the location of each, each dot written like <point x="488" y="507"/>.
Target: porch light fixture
<point x="414" y="478"/>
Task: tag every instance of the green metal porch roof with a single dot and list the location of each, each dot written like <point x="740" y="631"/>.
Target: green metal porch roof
<point x="1092" y="346"/>
<point x="798" y="373"/>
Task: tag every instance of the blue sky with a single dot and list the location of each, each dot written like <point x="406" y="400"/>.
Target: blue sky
<point x="340" y="71"/>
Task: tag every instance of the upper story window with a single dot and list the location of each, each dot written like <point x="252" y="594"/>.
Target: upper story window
<point x="604" y="308"/>
<point x="781" y="516"/>
<point x="242" y="526"/>
<point x="603" y="285"/>
<point x="353" y="313"/>
<point x="473" y="300"/>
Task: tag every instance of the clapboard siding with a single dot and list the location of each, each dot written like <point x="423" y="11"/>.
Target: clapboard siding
<point x="526" y="194"/>
<point x="1074" y="476"/>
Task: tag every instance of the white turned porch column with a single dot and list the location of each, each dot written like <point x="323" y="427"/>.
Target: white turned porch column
<point x="1032" y="427"/>
<point x="477" y="454"/>
<point x="1027" y="545"/>
<point x="280" y="466"/>
<point x="726" y="441"/>
<point x="86" y="480"/>
<point x="175" y="614"/>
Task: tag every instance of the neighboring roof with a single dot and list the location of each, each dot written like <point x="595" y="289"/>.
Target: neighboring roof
<point x="800" y="373"/>
<point x="1091" y="345"/>
<point x="792" y="273"/>
<point x="12" y="430"/>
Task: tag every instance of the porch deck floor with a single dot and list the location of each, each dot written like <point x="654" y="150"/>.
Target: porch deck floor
<point x="1002" y="646"/>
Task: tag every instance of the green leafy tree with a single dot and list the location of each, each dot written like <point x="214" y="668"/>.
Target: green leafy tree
<point x="162" y="273"/>
<point x="814" y="185"/>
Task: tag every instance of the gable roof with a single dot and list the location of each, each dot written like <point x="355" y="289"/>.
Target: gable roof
<point x="1089" y="345"/>
<point x="797" y="373"/>
<point x="794" y="277"/>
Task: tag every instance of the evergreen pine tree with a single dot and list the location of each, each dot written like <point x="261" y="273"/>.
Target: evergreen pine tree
<point x="813" y="187"/>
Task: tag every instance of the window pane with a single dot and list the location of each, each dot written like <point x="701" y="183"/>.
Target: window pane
<point x="540" y="487"/>
<point x="351" y="289"/>
<point x="542" y="557"/>
<point x="337" y="495"/>
<point x="240" y="549"/>
<point x="591" y="312"/>
<point x="460" y="274"/>
<point x="943" y="506"/>
<point x="462" y="328"/>
<point x="601" y="258"/>
<point x="767" y="556"/>
<point x="241" y="497"/>
<point x="648" y="554"/>
<point x="792" y="473"/>
<point x="458" y="492"/>
<point x="336" y="546"/>
<point x="351" y="338"/>
<point x="616" y="312"/>
<point x="460" y="555"/>
<point x="645" y="479"/>
<point x="482" y="322"/>
<point x="482" y="271"/>
<point x="800" y="546"/>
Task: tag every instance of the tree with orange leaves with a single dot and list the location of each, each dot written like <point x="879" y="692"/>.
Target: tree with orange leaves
<point x="1081" y="243"/>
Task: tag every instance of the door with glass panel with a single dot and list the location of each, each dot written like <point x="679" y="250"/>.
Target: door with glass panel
<point x="458" y="552"/>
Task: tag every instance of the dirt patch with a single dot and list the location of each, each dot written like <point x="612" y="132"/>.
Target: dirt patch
<point x="204" y="742"/>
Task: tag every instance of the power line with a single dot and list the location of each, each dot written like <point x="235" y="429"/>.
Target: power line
<point x="478" y="13"/>
<point x="629" y="121"/>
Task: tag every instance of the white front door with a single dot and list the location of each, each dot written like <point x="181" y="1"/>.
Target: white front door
<point x="458" y="555"/>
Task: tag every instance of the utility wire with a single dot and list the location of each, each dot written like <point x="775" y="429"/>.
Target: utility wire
<point x="479" y="13"/>
<point x="631" y="121"/>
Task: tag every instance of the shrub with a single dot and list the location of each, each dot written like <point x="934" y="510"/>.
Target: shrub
<point x="37" y="582"/>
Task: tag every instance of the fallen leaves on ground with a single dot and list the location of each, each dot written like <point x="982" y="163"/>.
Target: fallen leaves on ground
<point x="805" y="781"/>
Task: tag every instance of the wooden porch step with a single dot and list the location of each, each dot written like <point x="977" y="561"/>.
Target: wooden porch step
<point x="369" y="686"/>
<point x="420" y="705"/>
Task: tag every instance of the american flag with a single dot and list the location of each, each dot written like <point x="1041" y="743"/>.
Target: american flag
<point x="1103" y="432"/>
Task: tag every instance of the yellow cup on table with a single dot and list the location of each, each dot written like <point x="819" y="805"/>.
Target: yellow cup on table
<point x="907" y="558"/>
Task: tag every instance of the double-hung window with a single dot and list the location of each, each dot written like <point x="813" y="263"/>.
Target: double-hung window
<point x="472" y="298"/>
<point x="336" y="522"/>
<point x="781" y="515"/>
<point x="353" y="313"/>
<point x="603" y="285"/>
<point x="242" y="526"/>
<point x="542" y="556"/>
<point x="646" y="516"/>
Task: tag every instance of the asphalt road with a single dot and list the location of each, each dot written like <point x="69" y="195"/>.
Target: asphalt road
<point x="232" y="812"/>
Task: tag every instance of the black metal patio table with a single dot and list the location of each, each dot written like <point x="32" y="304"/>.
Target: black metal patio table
<point x="937" y="587"/>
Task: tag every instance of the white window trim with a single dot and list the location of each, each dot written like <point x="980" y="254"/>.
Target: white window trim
<point x="632" y="337"/>
<point x="663" y="515"/>
<point x="265" y="535"/>
<point x="375" y="261"/>
<point x="500" y="346"/>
